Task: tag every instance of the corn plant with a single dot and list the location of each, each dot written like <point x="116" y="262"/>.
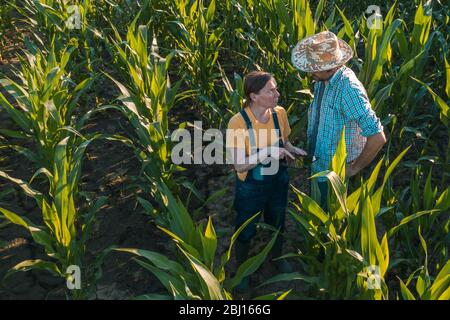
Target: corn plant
<point x="435" y="226"/>
<point x="6" y="27"/>
<point x="427" y="288"/>
<point x="194" y="275"/>
<point x="198" y="47"/>
<point x="147" y="99"/>
<point x="65" y="229"/>
<point x="379" y="57"/>
<point x="49" y="16"/>
<point x="346" y="234"/>
<point x="419" y="44"/>
<point x="44" y="104"/>
<point x="447" y="93"/>
<point x="64" y="22"/>
<point x="233" y="97"/>
<point x="354" y="262"/>
<point x="378" y="51"/>
<point x="377" y="54"/>
<point x="234" y="18"/>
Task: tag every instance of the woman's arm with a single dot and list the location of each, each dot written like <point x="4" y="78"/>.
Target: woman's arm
<point x="242" y="163"/>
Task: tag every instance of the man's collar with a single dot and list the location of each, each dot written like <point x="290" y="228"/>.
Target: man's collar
<point x="336" y="76"/>
<point x="333" y="78"/>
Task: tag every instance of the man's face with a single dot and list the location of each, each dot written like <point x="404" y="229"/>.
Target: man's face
<point x="323" y="75"/>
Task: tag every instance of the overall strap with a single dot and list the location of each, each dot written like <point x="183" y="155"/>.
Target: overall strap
<point x="251" y="131"/>
<point x="277" y="126"/>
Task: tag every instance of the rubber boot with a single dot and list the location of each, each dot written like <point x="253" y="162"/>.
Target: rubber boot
<point x="242" y="249"/>
<point x="281" y="264"/>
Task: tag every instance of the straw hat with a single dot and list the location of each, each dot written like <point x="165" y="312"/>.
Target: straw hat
<point x="320" y="52"/>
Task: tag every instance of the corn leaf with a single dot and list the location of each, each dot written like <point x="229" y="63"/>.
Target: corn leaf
<point x="407" y="295"/>
<point x="211" y="282"/>
<point x="410" y="218"/>
<point x="443" y="107"/>
<point x="252" y="264"/>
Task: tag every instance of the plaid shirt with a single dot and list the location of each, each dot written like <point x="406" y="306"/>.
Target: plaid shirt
<point x="344" y="103"/>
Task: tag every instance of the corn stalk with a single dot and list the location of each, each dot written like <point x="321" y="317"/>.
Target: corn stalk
<point x="426" y="288"/>
<point x="194" y="276"/>
<point x="354" y="262"/>
<point x="65" y="230"/>
<point x="146" y="100"/>
<point x="198" y="47"/>
<point x="44" y="104"/>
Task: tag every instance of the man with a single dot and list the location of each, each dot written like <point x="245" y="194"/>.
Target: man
<point x="339" y="100"/>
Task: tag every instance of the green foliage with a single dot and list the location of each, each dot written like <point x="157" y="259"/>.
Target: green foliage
<point x="46" y="102"/>
<point x="65" y="230"/>
<point x="194" y="276"/>
<point x="172" y="58"/>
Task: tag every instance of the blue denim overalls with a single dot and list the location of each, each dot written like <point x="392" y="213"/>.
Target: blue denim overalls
<point x="265" y="193"/>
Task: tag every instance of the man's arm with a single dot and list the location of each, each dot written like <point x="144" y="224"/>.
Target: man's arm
<point x="356" y="107"/>
<point x="372" y="147"/>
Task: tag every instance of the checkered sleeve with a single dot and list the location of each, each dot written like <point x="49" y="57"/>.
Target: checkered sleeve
<point x="356" y="107"/>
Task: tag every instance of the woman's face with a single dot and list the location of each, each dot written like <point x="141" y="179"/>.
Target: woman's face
<point x="268" y="96"/>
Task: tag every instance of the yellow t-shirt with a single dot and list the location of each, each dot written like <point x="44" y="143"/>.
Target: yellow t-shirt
<point x="264" y="133"/>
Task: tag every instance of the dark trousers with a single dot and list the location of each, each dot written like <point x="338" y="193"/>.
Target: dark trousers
<point x="323" y="188"/>
<point x="269" y="198"/>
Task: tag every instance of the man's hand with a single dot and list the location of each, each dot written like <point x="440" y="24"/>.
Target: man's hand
<point x="372" y="147"/>
<point x="298" y="152"/>
<point x="280" y="153"/>
<point x="350" y="170"/>
<point x="294" y="150"/>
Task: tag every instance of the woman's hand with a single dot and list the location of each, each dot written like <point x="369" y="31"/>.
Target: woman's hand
<point x="280" y="153"/>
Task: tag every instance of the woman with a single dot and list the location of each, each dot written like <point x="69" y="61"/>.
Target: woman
<point x="258" y="137"/>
